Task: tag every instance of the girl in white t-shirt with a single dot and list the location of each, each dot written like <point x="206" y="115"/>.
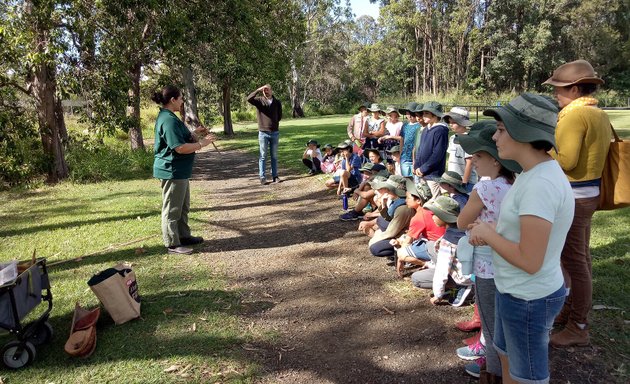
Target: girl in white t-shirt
<point x="484" y="204"/>
<point x="536" y="214"/>
<point x="312" y="158"/>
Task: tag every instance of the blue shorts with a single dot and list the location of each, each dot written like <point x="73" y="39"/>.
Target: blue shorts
<point x="351" y="180"/>
<point x="521" y="331"/>
<point x="419" y="250"/>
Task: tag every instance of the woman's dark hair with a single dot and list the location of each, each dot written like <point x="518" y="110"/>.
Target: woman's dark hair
<point x="586" y="88"/>
<point x="507" y="174"/>
<point x="541" y="144"/>
<point x="166" y="94"/>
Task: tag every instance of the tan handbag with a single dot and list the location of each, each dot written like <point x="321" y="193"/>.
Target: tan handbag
<point x="615" y="184"/>
<point x="117" y="289"/>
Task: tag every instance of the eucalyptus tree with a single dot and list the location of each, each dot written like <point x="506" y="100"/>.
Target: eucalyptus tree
<point x="30" y="43"/>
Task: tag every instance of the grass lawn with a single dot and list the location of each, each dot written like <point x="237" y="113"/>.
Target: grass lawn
<point x="189" y="316"/>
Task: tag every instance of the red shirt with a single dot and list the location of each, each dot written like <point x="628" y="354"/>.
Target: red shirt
<point x="422" y="225"/>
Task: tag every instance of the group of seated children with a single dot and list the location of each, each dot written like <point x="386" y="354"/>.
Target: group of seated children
<point x="417" y="221"/>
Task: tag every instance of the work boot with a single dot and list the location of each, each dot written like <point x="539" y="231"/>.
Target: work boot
<point x="570" y="336"/>
<point x="471" y="325"/>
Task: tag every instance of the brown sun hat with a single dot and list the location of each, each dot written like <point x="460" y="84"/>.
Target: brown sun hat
<point x="575" y="72"/>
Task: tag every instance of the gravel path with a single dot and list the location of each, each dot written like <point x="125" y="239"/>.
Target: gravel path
<point x="340" y="314"/>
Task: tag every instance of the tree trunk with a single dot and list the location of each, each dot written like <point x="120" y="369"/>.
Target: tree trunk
<point x="133" y="108"/>
<point x="44" y="88"/>
<point x="416" y="52"/>
<point x="294" y="91"/>
<point x="226" y="91"/>
<point x="190" y="114"/>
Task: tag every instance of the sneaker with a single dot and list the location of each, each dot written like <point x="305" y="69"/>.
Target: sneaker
<point x="276" y="180"/>
<point x="192" y="240"/>
<point x="462" y="295"/>
<point x="179" y="250"/>
<point x="472" y="352"/>
<point x="263" y="181"/>
<point x="391" y="261"/>
<point x="351" y="215"/>
<point x="311" y="172"/>
<point x="474" y="368"/>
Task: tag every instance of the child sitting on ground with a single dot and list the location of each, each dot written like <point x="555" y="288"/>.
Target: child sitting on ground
<point x="395" y="218"/>
<point x="444" y="270"/>
<point x="368" y="225"/>
<point x="364" y="194"/>
<point x="451" y="182"/>
<point x="328" y="160"/>
<point x="349" y="175"/>
<point x="394" y="152"/>
<point x="312" y="158"/>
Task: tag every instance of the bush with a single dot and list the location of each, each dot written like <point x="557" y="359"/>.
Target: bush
<point x="21" y="156"/>
<point x="89" y="160"/>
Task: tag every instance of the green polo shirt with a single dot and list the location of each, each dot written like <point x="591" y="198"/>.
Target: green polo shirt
<point x="170" y="133"/>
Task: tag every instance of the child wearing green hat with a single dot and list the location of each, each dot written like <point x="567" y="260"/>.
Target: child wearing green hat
<point x="444" y="269"/>
<point x="430" y="156"/>
<point x="535" y="217"/>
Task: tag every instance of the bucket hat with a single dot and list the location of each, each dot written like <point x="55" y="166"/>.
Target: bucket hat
<point x="344" y="145"/>
<point x="391" y="109"/>
<point x="421" y="191"/>
<point x="375" y="108"/>
<point x="453" y="179"/>
<point x="396" y="184"/>
<point x="363" y="105"/>
<point x="411" y="107"/>
<point x="480" y="139"/>
<point x="459" y="115"/>
<point x="434" y="107"/>
<point x="444" y="207"/>
<point x="367" y="151"/>
<point x="378" y="178"/>
<point x="395" y="148"/>
<point x="418" y="110"/>
<point x="528" y="118"/>
<point x="367" y="167"/>
<point x="326" y="146"/>
<point x="314" y="142"/>
<point x="575" y="72"/>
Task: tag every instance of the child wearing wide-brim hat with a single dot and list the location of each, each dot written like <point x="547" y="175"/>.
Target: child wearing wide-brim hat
<point x="348" y="174"/>
<point x="373" y="127"/>
<point x="392" y="132"/>
<point x="535" y="216"/>
<point x="430" y="154"/>
<point x="484" y="204"/>
<point x="312" y="157"/>
<point x="444" y="269"/>
<point x="451" y="182"/>
<point x="458" y="119"/>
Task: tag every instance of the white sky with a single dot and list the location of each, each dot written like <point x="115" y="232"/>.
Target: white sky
<point x="363" y="7"/>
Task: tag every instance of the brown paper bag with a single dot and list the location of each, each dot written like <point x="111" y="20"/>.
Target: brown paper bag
<point x="117" y="289"/>
<point x="615" y="183"/>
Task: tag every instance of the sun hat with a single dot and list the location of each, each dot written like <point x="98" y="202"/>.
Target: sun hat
<point x="344" y="145"/>
<point x="363" y="105"/>
<point x="367" y="151"/>
<point x="453" y="179"/>
<point x="376" y="179"/>
<point x="459" y="115"/>
<point x="575" y="72"/>
<point x="314" y="142"/>
<point x="528" y="118"/>
<point x="391" y="109"/>
<point x="411" y="107"/>
<point x="434" y="107"/>
<point x="421" y="191"/>
<point x="375" y="108"/>
<point x="326" y="146"/>
<point x="480" y="139"/>
<point x="418" y="110"/>
<point x="367" y="167"/>
<point x="378" y="167"/>
<point x="444" y="207"/>
<point x="396" y="184"/>
<point x="395" y="148"/>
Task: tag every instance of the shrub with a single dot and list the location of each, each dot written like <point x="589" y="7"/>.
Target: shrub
<point x="90" y="160"/>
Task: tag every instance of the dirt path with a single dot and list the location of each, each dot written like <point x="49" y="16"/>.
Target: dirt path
<point x="340" y="314"/>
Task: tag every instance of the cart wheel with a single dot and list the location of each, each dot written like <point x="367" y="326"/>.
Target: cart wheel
<point x="16" y="355"/>
<point x="43" y="334"/>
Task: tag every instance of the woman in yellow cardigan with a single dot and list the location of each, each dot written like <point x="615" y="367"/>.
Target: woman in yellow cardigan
<point x="583" y="137"/>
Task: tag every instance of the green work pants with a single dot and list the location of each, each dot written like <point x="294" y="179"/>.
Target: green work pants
<point x="175" y="208"/>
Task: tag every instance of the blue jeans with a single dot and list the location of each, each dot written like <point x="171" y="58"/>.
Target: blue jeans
<point x="406" y="168"/>
<point x="521" y="331"/>
<point x="268" y="143"/>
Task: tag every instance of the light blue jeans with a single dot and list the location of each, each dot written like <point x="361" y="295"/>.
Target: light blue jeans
<point x="406" y="168"/>
<point x="268" y="143"/>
